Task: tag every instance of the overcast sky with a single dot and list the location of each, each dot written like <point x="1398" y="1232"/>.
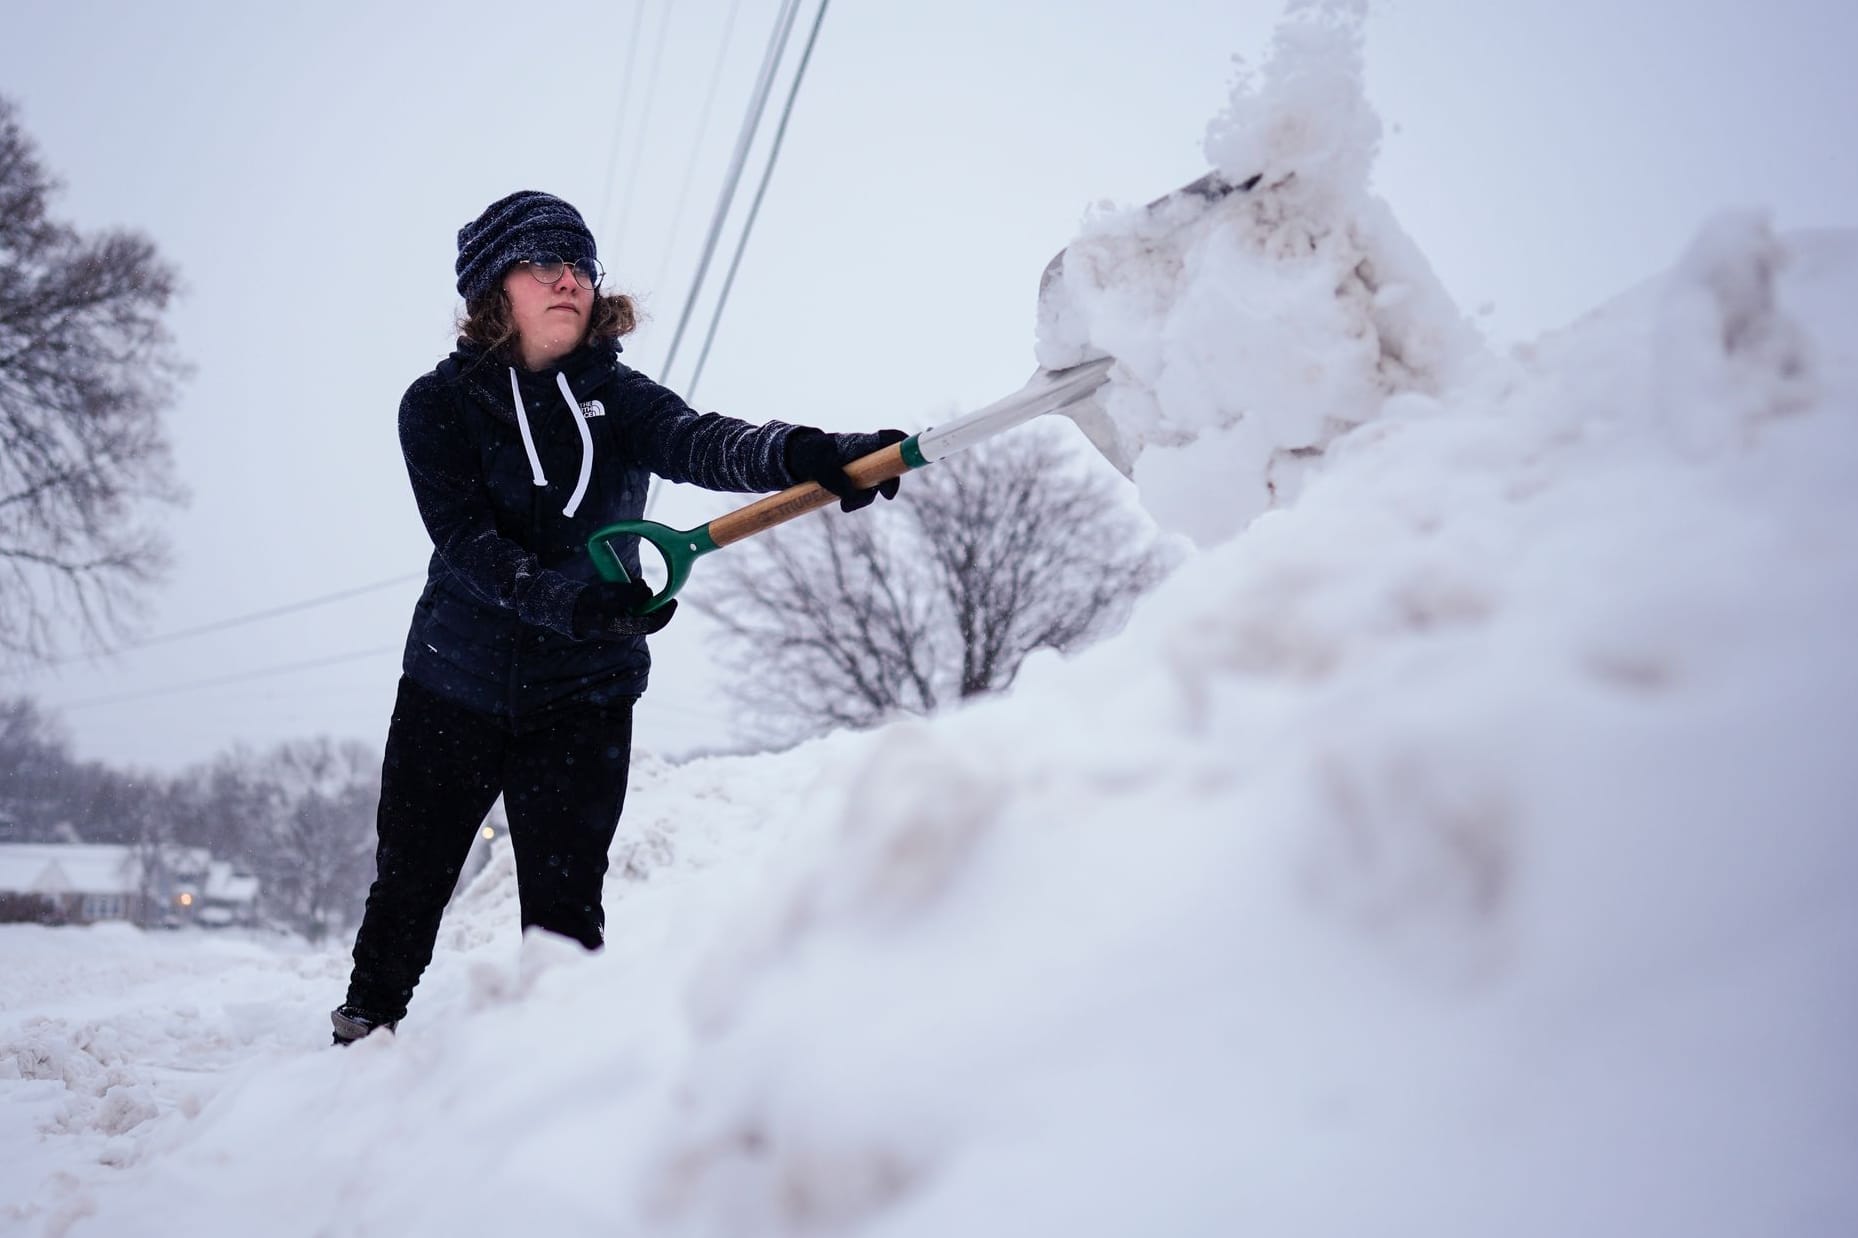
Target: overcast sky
<point x="307" y="167"/>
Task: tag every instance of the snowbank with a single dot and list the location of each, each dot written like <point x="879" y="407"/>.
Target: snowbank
<point x="1462" y="848"/>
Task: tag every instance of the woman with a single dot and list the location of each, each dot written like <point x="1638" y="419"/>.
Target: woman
<point x="522" y="666"/>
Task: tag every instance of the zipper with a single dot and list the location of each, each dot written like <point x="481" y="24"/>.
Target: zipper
<point x="516" y="644"/>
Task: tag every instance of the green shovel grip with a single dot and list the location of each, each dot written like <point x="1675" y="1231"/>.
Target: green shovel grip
<point x="679" y="548"/>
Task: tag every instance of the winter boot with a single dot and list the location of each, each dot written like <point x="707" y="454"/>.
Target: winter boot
<point x="352" y="1023"/>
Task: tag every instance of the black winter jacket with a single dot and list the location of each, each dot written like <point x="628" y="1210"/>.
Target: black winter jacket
<point x="492" y="630"/>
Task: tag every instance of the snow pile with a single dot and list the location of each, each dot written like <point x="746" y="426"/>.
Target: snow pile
<point x="1252" y="331"/>
<point x="1463" y="849"/>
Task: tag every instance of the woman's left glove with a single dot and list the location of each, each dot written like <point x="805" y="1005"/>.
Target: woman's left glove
<point x="604" y="611"/>
<point x="813" y="455"/>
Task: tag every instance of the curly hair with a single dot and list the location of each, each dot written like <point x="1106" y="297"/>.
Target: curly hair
<point x="489" y="323"/>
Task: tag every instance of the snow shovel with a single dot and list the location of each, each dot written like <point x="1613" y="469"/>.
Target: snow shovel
<point x="1047" y="391"/>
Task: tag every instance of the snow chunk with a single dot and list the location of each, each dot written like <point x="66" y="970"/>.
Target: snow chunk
<point x="1306" y="115"/>
<point x="1254" y="330"/>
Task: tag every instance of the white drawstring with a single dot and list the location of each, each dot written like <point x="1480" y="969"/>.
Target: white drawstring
<point x="587" y="443"/>
<point x="522" y="423"/>
<point x="580" y="423"/>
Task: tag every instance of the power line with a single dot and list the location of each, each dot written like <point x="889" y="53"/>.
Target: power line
<point x="239" y="620"/>
<point x="619" y="122"/>
<point x="761" y="190"/>
<point x="751" y="122"/>
<point x="696" y="144"/>
<point x="758" y="102"/>
<point x="645" y="124"/>
<point x="261" y="673"/>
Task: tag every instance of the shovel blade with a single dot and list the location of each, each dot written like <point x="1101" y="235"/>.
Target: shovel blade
<point x="1102" y="431"/>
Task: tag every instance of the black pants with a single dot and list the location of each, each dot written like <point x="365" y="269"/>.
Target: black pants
<point x="563" y="781"/>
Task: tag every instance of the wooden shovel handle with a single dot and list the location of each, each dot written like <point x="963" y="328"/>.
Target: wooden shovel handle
<point x="763" y="514"/>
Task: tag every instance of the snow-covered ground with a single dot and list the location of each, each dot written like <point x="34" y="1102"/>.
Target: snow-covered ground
<point x="1461" y="842"/>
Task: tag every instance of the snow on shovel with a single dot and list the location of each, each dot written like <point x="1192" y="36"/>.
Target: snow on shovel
<point x="1065" y="391"/>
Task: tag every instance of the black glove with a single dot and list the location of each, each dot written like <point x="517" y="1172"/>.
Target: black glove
<point x="604" y="611"/>
<point x="813" y="455"/>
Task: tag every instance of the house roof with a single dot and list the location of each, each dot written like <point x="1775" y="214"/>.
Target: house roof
<point x="97" y="868"/>
<point x="225" y="886"/>
<point x="65" y="868"/>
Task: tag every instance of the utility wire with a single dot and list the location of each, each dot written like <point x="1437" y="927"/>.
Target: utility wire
<point x="745" y="138"/>
<point x="758" y="102"/>
<point x="761" y="190"/>
<point x="619" y="122"/>
<point x="239" y="620"/>
<point x="240" y="677"/>
<point x="659" y="704"/>
<point x="696" y="145"/>
<point x="645" y="126"/>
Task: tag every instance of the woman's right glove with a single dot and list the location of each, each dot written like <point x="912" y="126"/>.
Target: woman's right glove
<point x="604" y="611"/>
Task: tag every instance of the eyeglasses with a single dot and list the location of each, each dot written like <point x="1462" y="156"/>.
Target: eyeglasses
<point x="547" y="269"/>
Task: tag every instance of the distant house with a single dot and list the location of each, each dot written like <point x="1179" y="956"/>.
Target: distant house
<point x="83" y="883"/>
<point x="227" y="896"/>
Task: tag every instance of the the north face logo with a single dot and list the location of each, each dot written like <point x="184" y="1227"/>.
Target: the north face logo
<point x="592" y="409"/>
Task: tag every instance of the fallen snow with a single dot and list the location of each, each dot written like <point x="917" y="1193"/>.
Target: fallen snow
<point x="1460" y="843"/>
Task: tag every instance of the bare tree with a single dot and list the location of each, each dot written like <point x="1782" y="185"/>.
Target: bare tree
<point x="35" y="765"/>
<point x="299" y="817"/>
<point x="86" y="367"/>
<point x="319" y="844"/>
<point x="1008" y="548"/>
<point x="225" y="805"/>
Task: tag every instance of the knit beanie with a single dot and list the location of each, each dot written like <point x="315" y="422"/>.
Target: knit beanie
<point x="515" y="228"/>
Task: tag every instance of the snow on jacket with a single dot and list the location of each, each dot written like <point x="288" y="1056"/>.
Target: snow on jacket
<point x="511" y="483"/>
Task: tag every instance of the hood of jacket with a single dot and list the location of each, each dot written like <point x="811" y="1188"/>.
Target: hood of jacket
<point x="511" y="395"/>
<point x="485" y="377"/>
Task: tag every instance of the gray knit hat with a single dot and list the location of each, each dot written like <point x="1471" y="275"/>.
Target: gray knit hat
<point x="512" y="229"/>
